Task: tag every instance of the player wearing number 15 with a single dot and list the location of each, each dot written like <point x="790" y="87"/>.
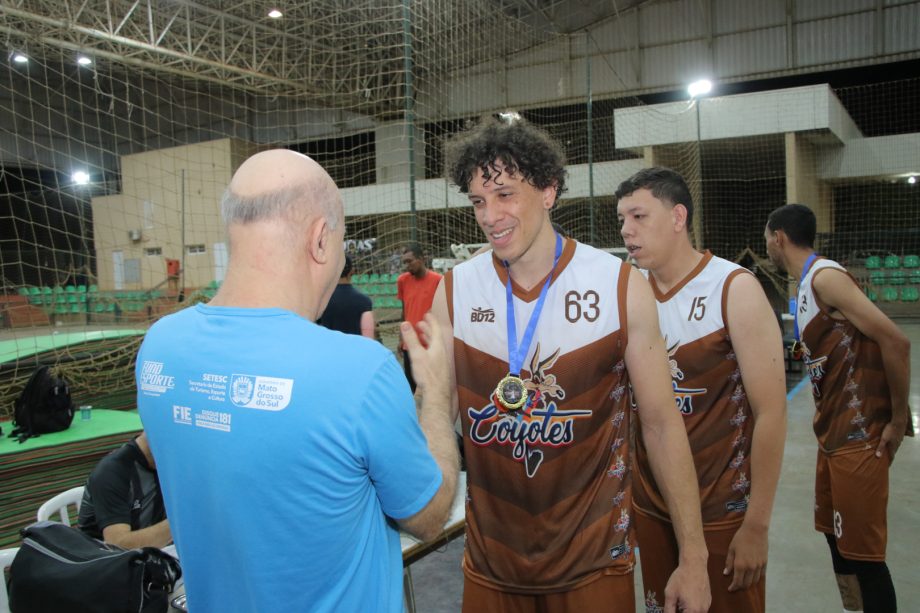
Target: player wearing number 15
<point x="727" y="373"/>
<point x="543" y="389"/>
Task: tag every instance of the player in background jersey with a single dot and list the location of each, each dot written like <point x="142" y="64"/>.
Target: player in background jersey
<point x="728" y="375"/>
<point x="549" y="482"/>
<point x="859" y="364"/>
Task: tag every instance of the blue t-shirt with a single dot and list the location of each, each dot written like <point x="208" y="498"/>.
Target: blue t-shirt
<point x="282" y="447"/>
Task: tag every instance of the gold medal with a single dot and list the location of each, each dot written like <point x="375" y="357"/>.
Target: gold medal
<point x="798" y="349"/>
<point x="511" y="393"/>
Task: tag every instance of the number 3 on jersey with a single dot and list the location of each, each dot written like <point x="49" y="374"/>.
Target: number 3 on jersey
<point x="582" y="305"/>
<point x="697" y="308"/>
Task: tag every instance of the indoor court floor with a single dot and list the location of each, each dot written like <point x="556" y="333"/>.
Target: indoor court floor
<point x="799" y="575"/>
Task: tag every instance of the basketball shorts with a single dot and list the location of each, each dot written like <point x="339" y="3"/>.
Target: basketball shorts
<point x="851" y="502"/>
<point x="614" y="593"/>
<point x="658" y="556"/>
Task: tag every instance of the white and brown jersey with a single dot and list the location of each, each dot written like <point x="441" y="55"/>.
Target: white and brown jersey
<point x="709" y="394"/>
<point x="548" y="505"/>
<point x="848" y="380"/>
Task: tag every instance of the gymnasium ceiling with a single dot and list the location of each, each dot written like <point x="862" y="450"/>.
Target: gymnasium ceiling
<point x="338" y="52"/>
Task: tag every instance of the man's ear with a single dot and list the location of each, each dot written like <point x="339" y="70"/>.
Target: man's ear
<point x="319" y="240"/>
<point x="549" y="196"/>
<point x="679" y="215"/>
<point x="780" y="237"/>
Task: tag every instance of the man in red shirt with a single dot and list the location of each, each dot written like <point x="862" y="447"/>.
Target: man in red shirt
<point x="415" y="288"/>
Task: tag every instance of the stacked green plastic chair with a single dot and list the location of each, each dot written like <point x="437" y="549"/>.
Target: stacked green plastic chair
<point x="35" y="295"/>
<point x="910" y="293"/>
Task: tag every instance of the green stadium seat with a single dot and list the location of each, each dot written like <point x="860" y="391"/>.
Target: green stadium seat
<point x="81" y="289"/>
<point x="24" y="291"/>
<point x="897" y="277"/>
<point x="72" y="299"/>
<point x="394" y="276"/>
<point x="374" y="278"/>
<point x="911" y="261"/>
<point x="873" y="261"/>
<point x="93" y="289"/>
<point x="877" y="277"/>
<point x="889" y="294"/>
<point x="910" y="294"/>
<point x="892" y="261"/>
<point x="872" y="294"/>
<point x="70" y="289"/>
<point x="392" y="289"/>
<point x="914" y="277"/>
<point x="35" y="295"/>
<point x="359" y="279"/>
<point x="60" y="309"/>
<point x="78" y="308"/>
<point x="99" y="307"/>
<point x="58" y="289"/>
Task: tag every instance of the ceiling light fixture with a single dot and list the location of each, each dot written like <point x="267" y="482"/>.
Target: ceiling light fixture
<point x="84" y="61"/>
<point x="20" y="58"/>
<point x="80" y="177"/>
<point x="275" y="14"/>
<point x="911" y="180"/>
<point x="699" y="88"/>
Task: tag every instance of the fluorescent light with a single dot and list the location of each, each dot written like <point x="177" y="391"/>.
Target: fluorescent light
<point x="80" y="177"/>
<point x="275" y="14"/>
<point x="911" y="180"/>
<point x="19" y="58"/>
<point x="698" y="88"/>
<point x="84" y="61"/>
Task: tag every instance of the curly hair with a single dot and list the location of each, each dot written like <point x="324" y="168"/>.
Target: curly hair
<point x="518" y="146"/>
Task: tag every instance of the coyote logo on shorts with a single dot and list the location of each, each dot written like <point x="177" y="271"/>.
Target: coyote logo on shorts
<point x="622" y="524"/>
<point x="618" y="468"/>
<point x="651" y="603"/>
<point x="741" y="484"/>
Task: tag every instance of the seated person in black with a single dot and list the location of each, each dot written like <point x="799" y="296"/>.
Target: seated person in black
<point x="122" y="503"/>
<point x="349" y="310"/>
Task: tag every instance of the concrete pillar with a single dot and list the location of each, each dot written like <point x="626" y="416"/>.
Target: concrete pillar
<point x="684" y="159"/>
<point x="802" y="183"/>
<point x="392" y="146"/>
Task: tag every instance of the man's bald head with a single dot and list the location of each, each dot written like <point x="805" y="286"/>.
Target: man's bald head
<point x="281" y="183"/>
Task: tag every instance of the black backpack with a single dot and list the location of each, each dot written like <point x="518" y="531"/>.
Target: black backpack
<point x="43" y="406"/>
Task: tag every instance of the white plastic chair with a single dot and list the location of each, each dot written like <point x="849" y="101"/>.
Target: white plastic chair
<point x="59" y="504"/>
<point x="6" y="558"/>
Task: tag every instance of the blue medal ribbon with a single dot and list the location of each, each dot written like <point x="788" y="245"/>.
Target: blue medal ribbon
<point x="805" y="269"/>
<point x="517" y="352"/>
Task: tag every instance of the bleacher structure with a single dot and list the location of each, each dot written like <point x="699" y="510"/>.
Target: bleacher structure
<point x="381" y="288"/>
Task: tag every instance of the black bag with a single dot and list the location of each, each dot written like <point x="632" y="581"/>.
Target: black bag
<point x="43" y="406"/>
<point x="59" y="568"/>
